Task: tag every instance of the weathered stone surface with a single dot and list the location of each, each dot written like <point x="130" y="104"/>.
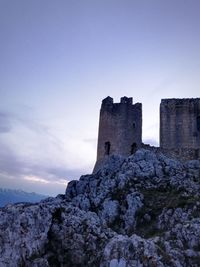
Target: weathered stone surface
<point x="120" y="129"/>
<point x="52" y="233"/>
<point x="179" y="123"/>
<point x="143" y="210"/>
<point x="130" y="251"/>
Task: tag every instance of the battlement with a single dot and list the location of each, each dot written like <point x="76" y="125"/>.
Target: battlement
<point x="107" y="101"/>
<point x="109" y="105"/>
<point x="126" y="100"/>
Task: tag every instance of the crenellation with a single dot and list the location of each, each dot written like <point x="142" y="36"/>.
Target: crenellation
<point x="107" y="101"/>
<point x="126" y="100"/>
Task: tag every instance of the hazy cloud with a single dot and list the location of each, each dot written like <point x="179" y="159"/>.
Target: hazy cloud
<point x="150" y="141"/>
<point x="31" y="154"/>
<point x="9" y="121"/>
<point x="18" y="172"/>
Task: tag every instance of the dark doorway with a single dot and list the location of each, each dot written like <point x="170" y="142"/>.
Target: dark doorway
<point x="133" y="148"/>
<point x="107" y="148"/>
<point x="198" y="123"/>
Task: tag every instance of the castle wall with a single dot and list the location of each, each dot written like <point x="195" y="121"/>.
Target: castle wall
<point x="180" y="124"/>
<point x="182" y="154"/>
<point x="120" y="127"/>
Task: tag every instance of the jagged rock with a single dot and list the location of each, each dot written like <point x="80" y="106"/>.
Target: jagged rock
<point x="131" y="251"/>
<point x="110" y="211"/>
<point x="52" y="233"/>
<point x="134" y="204"/>
<point x="143" y="210"/>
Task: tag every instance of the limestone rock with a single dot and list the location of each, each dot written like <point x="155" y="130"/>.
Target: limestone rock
<point x="143" y="210"/>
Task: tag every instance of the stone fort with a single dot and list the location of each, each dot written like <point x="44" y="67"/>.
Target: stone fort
<point x="120" y="129"/>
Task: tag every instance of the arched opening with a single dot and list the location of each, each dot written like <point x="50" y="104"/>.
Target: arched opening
<point x="198" y="123"/>
<point x="133" y="148"/>
<point x="107" y="148"/>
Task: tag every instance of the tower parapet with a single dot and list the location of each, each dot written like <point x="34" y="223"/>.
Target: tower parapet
<point x="126" y="100"/>
<point x="107" y="101"/>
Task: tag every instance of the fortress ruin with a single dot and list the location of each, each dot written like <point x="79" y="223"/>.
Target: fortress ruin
<point x="120" y="129"/>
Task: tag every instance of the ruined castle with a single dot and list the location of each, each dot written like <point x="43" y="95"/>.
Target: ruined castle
<point x="120" y="128"/>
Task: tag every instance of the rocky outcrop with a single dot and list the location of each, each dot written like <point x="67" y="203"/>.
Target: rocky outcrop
<point x="143" y="210"/>
<point x="52" y="233"/>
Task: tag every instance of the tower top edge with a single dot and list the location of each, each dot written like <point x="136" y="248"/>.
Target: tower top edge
<point x="179" y="100"/>
<point x="123" y="100"/>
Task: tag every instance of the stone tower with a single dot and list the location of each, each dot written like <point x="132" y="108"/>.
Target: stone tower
<point x="120" y="128"/>
<point x="180" y="124"/>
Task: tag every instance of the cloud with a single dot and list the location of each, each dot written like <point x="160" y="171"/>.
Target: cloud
<point x="33" y="184"/>
<point x="36" y="179"/>
<point x="33" y="177"/>
<point x="11" y="165"/>
<point x="32" y="157"/>
<point x="10" y="121"/>
<point x="150" y="141"/>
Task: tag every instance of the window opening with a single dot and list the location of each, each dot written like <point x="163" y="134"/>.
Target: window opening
<point x="107" y="148"/>
<point x="133" y="148"/>
<point x="198" y="123"/>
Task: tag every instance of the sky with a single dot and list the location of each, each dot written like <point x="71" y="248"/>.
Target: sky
<point x="60" y="58"/>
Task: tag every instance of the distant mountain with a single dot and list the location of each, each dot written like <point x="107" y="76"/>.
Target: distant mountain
<point x="9" y="196"/>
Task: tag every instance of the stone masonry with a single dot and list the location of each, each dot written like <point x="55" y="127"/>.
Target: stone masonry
<point x="180" y="128"/>
<point x="180" y="123"/>
<point x="120" y="129"/>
